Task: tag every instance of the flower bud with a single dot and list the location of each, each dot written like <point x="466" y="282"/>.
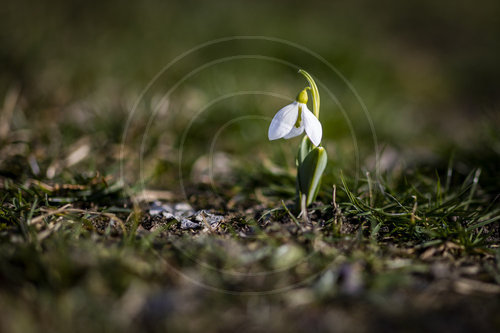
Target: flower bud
<point x="302" y="97"/>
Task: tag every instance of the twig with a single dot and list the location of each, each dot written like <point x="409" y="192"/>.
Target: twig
<point x="413" y="216"/>
<point x="108" y="215"/>
<point x="40" y="218"/>
<point x="336" y="210"/>
<point x="370" y="190"/>
<point x="206" y="223"/>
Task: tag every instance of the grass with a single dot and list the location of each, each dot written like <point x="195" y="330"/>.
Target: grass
<point x="82" y="256"/>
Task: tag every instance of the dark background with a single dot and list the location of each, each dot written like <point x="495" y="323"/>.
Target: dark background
<point x="426" y="71"/>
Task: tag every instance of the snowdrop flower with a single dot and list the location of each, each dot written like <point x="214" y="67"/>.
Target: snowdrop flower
<point x="293" y="119"/>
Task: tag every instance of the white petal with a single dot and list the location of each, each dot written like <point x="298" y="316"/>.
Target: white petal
<point x="283" y="121"/>
<point x="312" y="126"/>
<point x="295" y="131"/>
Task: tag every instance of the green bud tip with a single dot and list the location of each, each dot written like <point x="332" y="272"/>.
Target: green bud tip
<point x="302" y="96"/>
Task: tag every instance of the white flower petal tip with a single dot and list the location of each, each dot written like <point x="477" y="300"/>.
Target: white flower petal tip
<point x="283" y="122"/>
<point x="312" y="126"/>
<point x="296" y="131"/>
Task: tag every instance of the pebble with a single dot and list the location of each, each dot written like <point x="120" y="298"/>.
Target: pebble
<point x="185" y="214"/>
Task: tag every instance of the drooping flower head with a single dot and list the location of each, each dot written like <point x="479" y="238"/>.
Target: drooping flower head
<point x="293" y="119"/>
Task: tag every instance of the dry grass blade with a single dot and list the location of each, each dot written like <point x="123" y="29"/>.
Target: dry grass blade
<point x="40" y="218"/>
<point x="67" y="209"/>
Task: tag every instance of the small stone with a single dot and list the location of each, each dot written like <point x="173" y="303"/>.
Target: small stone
<point x="184" y="213"/>
<point x="210" y="218"/>
<point x="187" y="224"/>
<point x="158" y="207"/>
<point x="168" y="216"/>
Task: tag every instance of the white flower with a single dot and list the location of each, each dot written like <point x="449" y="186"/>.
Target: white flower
<point x="292" y="120"/>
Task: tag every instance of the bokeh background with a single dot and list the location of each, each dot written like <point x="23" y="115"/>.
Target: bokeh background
<point x="425" y="71"/>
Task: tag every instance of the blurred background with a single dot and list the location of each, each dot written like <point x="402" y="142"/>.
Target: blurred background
<point x="411" y="82"/>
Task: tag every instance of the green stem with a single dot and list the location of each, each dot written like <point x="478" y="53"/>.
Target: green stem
<point x="314" y="90"/>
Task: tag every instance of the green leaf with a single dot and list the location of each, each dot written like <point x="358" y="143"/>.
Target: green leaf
<point x="304" y="148"/>
<point x="310" y="172"/>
